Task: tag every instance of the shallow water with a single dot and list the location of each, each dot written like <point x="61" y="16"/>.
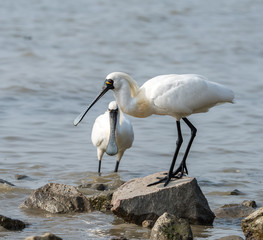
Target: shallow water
<point x="54" y="58"/>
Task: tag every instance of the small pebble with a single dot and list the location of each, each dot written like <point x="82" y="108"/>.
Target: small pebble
<point x="148" y="223"/>
<point x="249" y="203"/>
<point x="236" y="192"/>
<point x="20" y="176"/>
<point x="119" y="238"/>
<point x="99" y="187"/>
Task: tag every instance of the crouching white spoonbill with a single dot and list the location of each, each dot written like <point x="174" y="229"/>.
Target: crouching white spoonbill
<point x="112" y="133"/>
<point x="176" y="95"/>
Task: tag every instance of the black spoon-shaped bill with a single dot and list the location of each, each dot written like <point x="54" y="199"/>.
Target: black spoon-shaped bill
<point x="108" y="85"/>
<point x="112" y="147"/>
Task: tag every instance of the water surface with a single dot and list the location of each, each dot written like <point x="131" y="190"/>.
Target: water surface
<point x="54" y="58"/>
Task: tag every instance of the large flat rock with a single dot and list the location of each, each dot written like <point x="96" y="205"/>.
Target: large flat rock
<point x="135" y="202"/>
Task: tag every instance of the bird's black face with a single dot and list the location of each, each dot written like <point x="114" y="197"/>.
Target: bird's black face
<point x="108" y="84"/>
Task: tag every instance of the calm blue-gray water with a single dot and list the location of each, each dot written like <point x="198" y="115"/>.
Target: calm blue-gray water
<point x="54" y="58"/>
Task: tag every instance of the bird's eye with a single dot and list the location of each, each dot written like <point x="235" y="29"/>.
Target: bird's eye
<point x="109" y="81"/>
<point x="109" y="84"/>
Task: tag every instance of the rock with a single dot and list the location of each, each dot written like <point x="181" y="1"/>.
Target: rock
<point x="236" y="192"/>
<point x="11" y="224"/>
<point x="249" y="203"/>
<point x="46" y="236"/>
<point x="135" y="202"/>
<point x="232" y="237"/>
<point x="234" y="210"/>
<point x="6" y="182"/>
<point x="170" y="227"/>
<point x="58" y="198"/>
<point x="252" y="225"/>
<point x="110" y="182"/>
<point x="95" y="186"/>
<point x="147" y="223"/>
<point x="100" y="187"/>
<point x="101" y="202"/>
<point x="21" y="176"/>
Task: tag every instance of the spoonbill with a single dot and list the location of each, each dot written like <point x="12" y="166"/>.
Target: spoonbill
<point x="112" y="133"/>
<point x="176" y="95"/>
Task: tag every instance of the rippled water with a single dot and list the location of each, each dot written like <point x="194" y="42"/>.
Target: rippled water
<point x="54" y="58"/>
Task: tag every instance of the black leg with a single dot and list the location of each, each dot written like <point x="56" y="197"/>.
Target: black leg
<point x="182" y="167"/>
<point x="99" y="166"/>
<point x="116" y="166"/>
<point x="178" y="145"/>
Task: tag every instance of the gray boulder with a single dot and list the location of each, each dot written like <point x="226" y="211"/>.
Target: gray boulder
<point x="252" y="225"/>
<point x="235" y="210"/>
<point x="135" y="202"/>
<point x="169" y="227"/>
<point x="11" y="224"/>
<point x="58" y="198"/>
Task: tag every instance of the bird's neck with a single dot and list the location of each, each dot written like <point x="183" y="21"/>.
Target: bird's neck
<point x="135" y="105"/>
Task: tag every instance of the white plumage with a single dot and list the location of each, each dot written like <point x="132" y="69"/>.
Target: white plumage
<point x="121" y="138"/>
<point x="176" y="95"/>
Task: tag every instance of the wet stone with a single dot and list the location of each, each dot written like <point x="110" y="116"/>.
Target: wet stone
<point x="95" y="186"/>
<point x="148" y="223"/>
<point x="21" y="177"/>
<point x="101" y="202"/>
<point x="58" y="198"/>
<point x="46" y="236"/>
<point x="236" y="192"/>
<point x="249" y="203"/>
<point x="135" y="202"/>
<point x="11" y="224"/>
<point x="100" y="187"/>
<point x="252" y="225"/>
<point x="169" y="227"/>
<point x="235" y="211"/>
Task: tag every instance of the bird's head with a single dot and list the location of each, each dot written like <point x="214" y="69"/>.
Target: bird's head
<point x="108" y="84"/>
<point x="113" y="106"/>
<point x="114" y="81"/>
<point x="119" y="79"/>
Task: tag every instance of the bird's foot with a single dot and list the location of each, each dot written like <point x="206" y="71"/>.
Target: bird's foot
<point x="164" y="179"/>
<point x="180" y="171"/>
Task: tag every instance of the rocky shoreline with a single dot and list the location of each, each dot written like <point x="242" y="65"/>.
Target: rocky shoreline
<point x="169" y="211"/>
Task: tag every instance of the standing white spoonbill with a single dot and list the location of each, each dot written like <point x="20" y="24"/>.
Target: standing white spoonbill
<point x="176" y="95"/>
<point x="112" y="133"/>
